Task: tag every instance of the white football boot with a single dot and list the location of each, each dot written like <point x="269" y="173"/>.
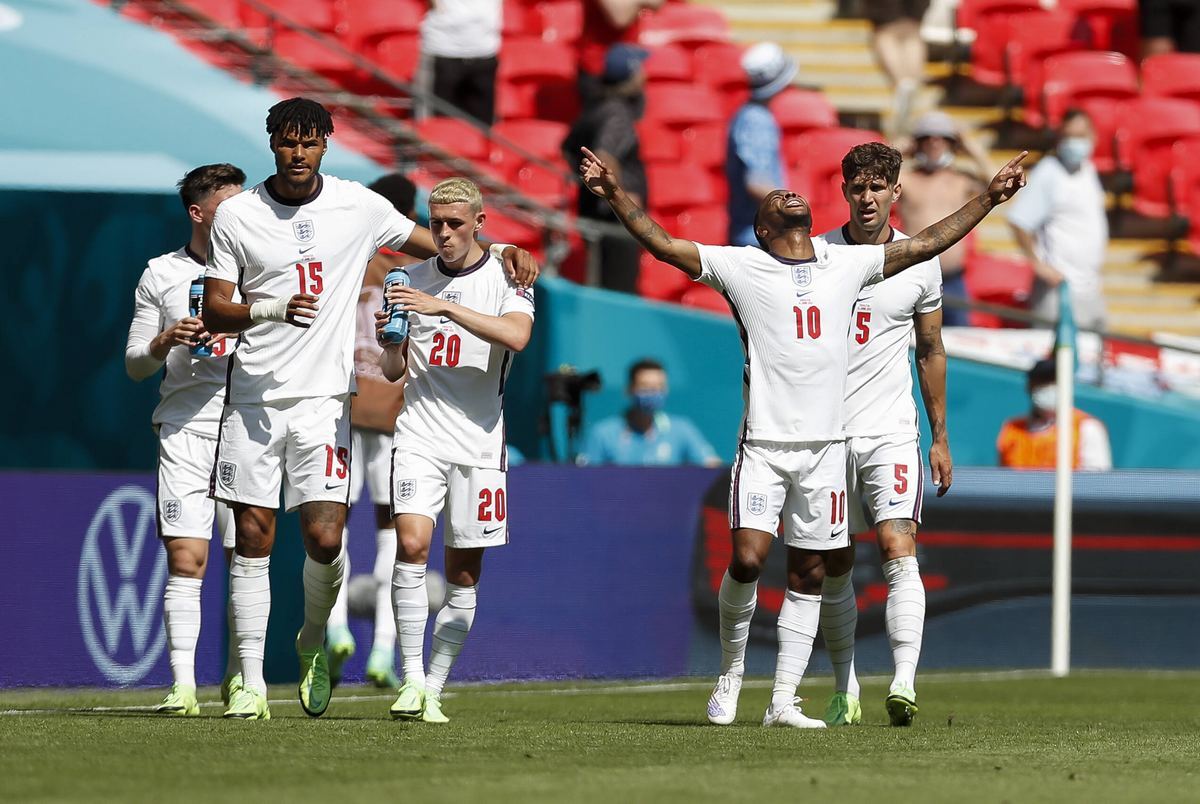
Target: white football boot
<point x="722" y="704"/>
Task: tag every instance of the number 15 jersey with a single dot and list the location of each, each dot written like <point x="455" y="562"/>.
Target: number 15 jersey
<point x="454" y="390"/>
<point x="793" y="317"/>
<point x="274" y="248"/>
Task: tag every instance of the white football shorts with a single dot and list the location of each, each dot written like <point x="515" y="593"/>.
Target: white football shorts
<point x="301" y="445"/>
<point x="185" y="461"/>
<point x="802" y="483"/>
<point x="476" y="498"/>
<point x="372" y="466"/>
<point x="885" y="479"/>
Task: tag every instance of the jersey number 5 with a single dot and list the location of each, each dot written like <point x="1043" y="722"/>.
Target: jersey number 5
<point x="313" y="286"/>
<point x="862" y="322"/>
<point x="810" y="317"/>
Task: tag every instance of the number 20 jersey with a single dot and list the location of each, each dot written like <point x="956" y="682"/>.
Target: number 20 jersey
<point x="454" y="389"/>
<point x="793" y="317"/>
<point x="275" y="248"/>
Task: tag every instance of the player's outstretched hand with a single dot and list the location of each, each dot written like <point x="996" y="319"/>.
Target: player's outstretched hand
<point x="301" y="310"/>
<point x="521" y="266"/>
<point x="412" y="300"/>
<point x="596" y="175"/>
<point x="1010" y="179"/>
<point x="942" y="466"/>
<point x="184" y="332"/>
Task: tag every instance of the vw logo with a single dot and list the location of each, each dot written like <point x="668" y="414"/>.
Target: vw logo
<point x="121" y="576"/>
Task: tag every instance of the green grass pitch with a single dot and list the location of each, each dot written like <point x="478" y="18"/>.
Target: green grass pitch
<point x="1107" y="737"/>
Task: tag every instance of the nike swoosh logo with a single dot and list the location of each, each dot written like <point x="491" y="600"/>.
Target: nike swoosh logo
<point x="894" y="502"/>
<point x="332" y="486"/>
<point x="306" y="250"/>
<point x="837" y="535"/>
<point x="490" y="531"/>
<point x="802" y="294"/>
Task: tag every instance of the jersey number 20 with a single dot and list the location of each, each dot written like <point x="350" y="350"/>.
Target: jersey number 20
<point x="445" y="350"/>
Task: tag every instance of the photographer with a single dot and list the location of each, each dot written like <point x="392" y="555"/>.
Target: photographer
<point x="645" y="435"/>
<point x="935" y="186"/>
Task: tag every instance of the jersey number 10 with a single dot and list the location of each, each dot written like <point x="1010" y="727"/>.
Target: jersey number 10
<point x="810" y="317"/>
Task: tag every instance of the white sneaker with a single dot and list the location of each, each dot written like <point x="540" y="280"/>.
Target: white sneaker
<point x="722" y="704"/>
<point x="791" y="715"/>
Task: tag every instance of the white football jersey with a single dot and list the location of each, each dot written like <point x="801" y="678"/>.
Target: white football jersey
<point x="793" y="317"/>
<point x="192" y="387"/>
<point x="879" y="395"/>
<point x="454" y="389"/>
<point x="274" y="248"/>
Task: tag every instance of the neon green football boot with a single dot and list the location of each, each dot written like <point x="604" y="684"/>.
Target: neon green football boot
<point x="248" y="704"/>
<point x="181" y="700"/>
<point x="843" y="710"/>
<point x="229" y="687"/>
<point x="410" y="704"/>
<point x="381" y="669"/>
<point x="433" y="710"/>
<point x="314" y="689"/>
<point x="339" y="643"/>
<point x="901" y="706"/>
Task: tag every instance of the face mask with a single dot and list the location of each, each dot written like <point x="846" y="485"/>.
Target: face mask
<point x="1073" y="151"/>
<point x="929" y="164"/>
<point x="649" y="401"/>
<point x="1045" y="398"/>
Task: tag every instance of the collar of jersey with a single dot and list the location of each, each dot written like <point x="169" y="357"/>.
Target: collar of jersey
<point x="470" y="269"/>
<point x="193" y="255"/>
<point x="850" y="241"/>
<point x="288" y="202"/>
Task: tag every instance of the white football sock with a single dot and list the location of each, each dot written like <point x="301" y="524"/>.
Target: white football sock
<point x="450" y="631"/>
<point x="736" y="602"/>
<point x="904" y="617"/>
<point x="799" y="618"/>
<point x="321" y="585"/>
<point x="250" y="594"/>
<point x="411" y="603"/>
<point x="181" y="616"/>
<point x="232" y="665"/>
<point x="839" y="619"/>
<point x="385" y="617"/>
<point x="339" y="615"/>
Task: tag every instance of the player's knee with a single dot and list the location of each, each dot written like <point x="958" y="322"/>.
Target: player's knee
<point x="807" y="581"/>
<point x="412" y="548"/>
<point x="746" y="565"/>
<point x="897" y="539"/>
<point x="323" y="544"/>
<point x="186" y="563"/>
<point x="839" y="562"/>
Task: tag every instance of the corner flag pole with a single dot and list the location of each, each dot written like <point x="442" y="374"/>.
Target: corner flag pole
<point x="1060" y="616"/>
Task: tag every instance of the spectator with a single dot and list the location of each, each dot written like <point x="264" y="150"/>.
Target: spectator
<point x="1031" y="442"/>
<point x="606" y="126"/>
<point x="645" y="435"/>
<point x="1060" y="224"/>
<point x="935" y="187"/>
<point x="459" y="42"/>
<point x="754" y="161"/>
<point x="900" y="50"/>
<point x="1169" y="25"/>
<point x="605" y="23"/>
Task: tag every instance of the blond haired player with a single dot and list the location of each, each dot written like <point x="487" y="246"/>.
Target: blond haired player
<point x="884" y="472"/>
<point x="296" y="246"/>
<point x="793" y="299"/>
<point x="186" y="418"/>
<point x="466" y="322"/>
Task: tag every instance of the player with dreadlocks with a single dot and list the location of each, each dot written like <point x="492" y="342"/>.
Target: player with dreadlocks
<point x="297" y="246"/>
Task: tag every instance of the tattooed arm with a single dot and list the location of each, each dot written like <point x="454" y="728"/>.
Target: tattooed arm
<point x="938" y="237"/>
<point x="931" y="374"/>
<point x="681" y="253"/>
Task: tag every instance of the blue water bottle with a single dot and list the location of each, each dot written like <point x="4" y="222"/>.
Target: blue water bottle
<point x="195" y="310"/>
<point x="396" y="329"/>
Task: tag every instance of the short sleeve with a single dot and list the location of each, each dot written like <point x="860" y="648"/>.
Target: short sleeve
<point x="516" y="299"/>
<point x="755" y="136"/>
<point x="224" y="256"/>
<point x="1031" y="207"/>
<point x="390" y="228"/>
<point x="931" y="292"/>
<point x="716" y="265"/>
<point x="870" y="264"/>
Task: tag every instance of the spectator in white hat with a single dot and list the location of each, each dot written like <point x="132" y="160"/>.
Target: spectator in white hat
<point x="754" y="162"/>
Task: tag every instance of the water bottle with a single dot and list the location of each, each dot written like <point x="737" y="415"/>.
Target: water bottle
<point x="195" y="310"/>
<point x="396" y="329"/>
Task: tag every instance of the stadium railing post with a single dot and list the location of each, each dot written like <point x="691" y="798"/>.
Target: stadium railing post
<point x="1060" y="616"/>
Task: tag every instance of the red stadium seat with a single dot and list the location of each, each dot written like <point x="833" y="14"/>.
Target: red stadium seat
<point x="657" y="143"/>
<point x="502" y="229"/>
<point x="1011" y="44"/>
<point x="1113" y="23"/>
<point x="719" y="65"/>
<point x="318" y="56"/>
<point x="455" y="136"/>
<point x="1081" y="79"/>
<point x="997" y="279"/>
<point x="537" y="80"/>
<point x="974" y="15"/>
<point x="398" y="56"/>
<point x="562" y="20"/>
<point x="226" y="12"/>
<point x="319" y="15"/>
<point x="799" y="110"/>
<point x="657" y="280"/>
<point x="704" y="145"/>
<point x="673" y="188"/>
<point x="816" y="155"/>
<point x="682" y="106"/>
<point x="683" y="24"/>
<point x="546" y="186"/>
<point x="702" y="224"/>
<point x="1172" y="75"/>
<point x="1185" y="186"/>
<point x="669" y="64"/>
<point x="533" y="60"/>
<point x="702" y="297"/>
<point x="370" y="20"/>
<point x="1147" y="129"/>
<point x="542" y="138"/>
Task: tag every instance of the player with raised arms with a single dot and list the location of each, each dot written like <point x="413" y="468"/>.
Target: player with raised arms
<point x="297" y="246"/>
<point x="793" y="300"/>
<point x="467" y="320"/>
<point x="884" y="452"/>
<point x="166" y="335"/>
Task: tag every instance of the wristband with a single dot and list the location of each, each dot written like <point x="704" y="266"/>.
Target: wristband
<point x="269" y="310"/>
<point x="497" y="250"/>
